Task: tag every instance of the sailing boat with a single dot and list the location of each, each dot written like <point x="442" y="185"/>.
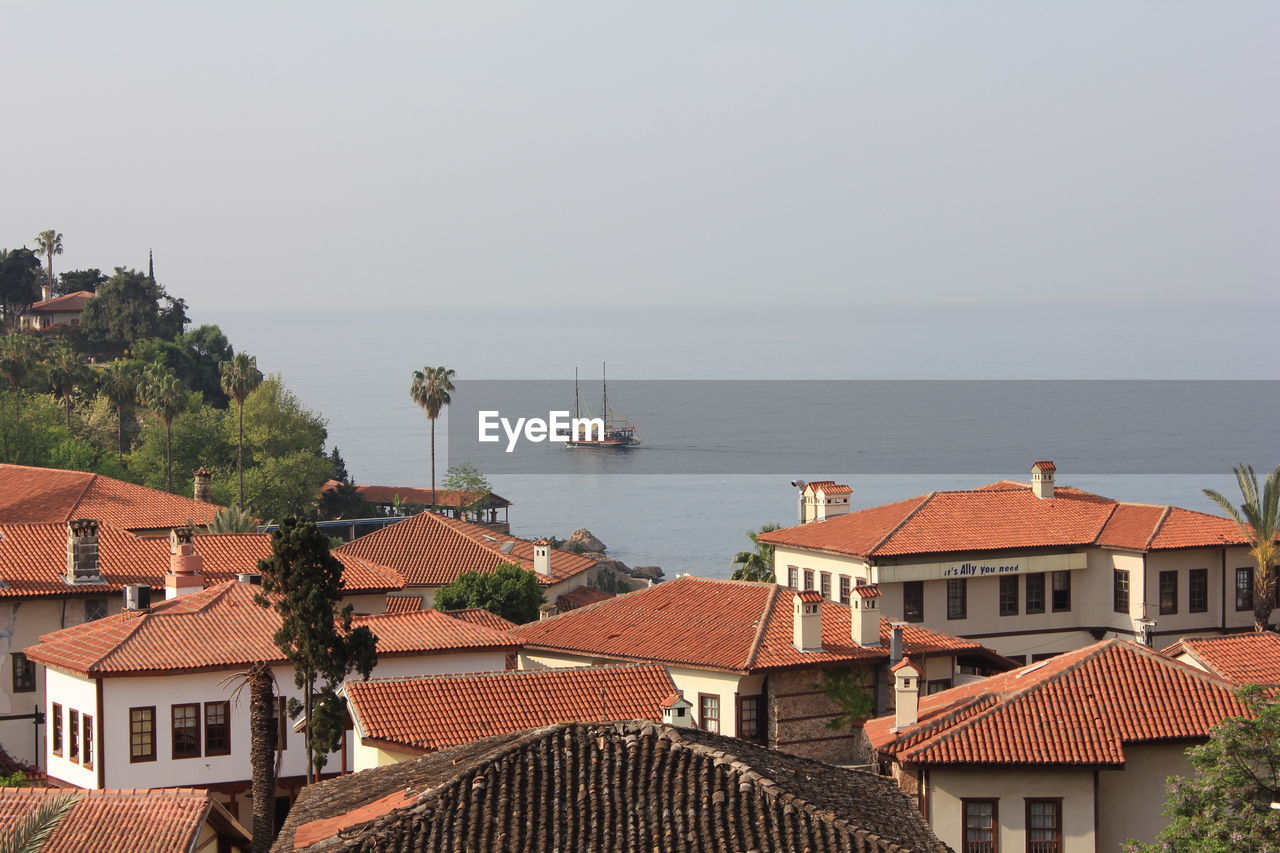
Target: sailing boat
<point x="619" y="433"/>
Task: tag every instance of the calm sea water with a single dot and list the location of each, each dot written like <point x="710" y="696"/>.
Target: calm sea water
<point x="354" y="367"/>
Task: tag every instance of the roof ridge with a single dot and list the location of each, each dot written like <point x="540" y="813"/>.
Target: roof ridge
<point x="766" y="617"/>
<point x="924" y="501"/>
<point x="75" y="505"/>
<point x="1155" y="531"/>
<point x="506" y="673"/>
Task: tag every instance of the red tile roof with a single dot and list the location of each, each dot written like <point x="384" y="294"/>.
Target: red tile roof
<point x="830" y="487"/>
<point x="480" y="616"/>
<point x="33" y="561"/>
<point x="581" y="597"/>
<point x="37" y="495"/>
<point x="1252" y="658"/>
<point x="222" y="627"/>
<point x="154" y="820"/>
<point x="68" y="303"/>
<point x="1005" y="515"/>
<point x="426" y="713"/>
<point x="1081" y="707"/>
<point x="403" y="603"/>
<point x="431" y="550"/>
<point x="412" y="495"/>
<point x="737" y="626"/>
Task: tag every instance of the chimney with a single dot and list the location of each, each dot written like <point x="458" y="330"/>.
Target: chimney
<point x="185" y="565"/>
<point x="203" y="488"/>
<point x="542" y="557"/>
<point x="546" y="611"/>
<point x="676" y="711"/>
<point x="1042" y="478"/>
<point x="895" y="642"/>
<point x="46" y="291"/>
<point x="137" y="596"/>
<point x="806" y="621"/>
<point x="906" y="695"/>
<point x="801" y="516"/>
<point x="82" y="552"/>
<point x="864" y="606"/>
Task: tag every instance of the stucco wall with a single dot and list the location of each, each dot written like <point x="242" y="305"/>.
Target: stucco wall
<point x="1131" y="802"/>
<point x="79" y="695"/>
<point x="946" y="789"/>
<point x="851" y="567"/>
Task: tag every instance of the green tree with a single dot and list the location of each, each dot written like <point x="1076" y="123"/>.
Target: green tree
<point x="1226" y="806"/>
<point x="430" y="389"/>
<point x="509" y="591"/>
<point x="756" y="565"/>
<point x="19" y="284"/>
<point x="118" y="382"/>
<point x="30" y="434"/>
<point x="49" y="243"/>
<point x="340" y="472"/>
<point x="466" y="478"/>
<point x="1258" y="517"/>
<point x="74" y="281"/>
<point x="129" y="309"/>
<point x="19" y="355"/>
<point x="853" y="692"/>
<point x="302" y="582"/>
<point x="67" y="371"/>
<point x="198" y="438"/>
<point x="240" y="378"/>
<point x="165" y="396"/>
<point x="344" y="501"/>
<point x="232" y="519"/>
<point x="32" y="833"/>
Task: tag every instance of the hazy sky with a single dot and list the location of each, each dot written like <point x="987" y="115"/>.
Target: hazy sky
<point x="605" y="152"/>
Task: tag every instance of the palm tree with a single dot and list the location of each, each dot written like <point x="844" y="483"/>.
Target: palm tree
<point x="35" y="830"/>
<point x="756" y="565"/>
<point x="262" y="755"/>
<point x="240" y="378"/>
<point x="232" y="519"/>
<point x="119" y="382"/>
<point x="165" y="395"/>
<point x="67" y="371"/>
<point x="430" y="390"/>
<point x="1259" y="521"/>
<point x="49" y="243"/>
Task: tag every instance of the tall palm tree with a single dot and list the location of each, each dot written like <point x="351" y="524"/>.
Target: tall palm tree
<point x="49" y="243"/>
<point x="240" y="378"/>
<point x="262" y="754"/>
<point x="756" y="565"/>
<point x="164" y="394"/>
<point x="119" y="383"/>
<point x="67" y="371"/>
<point x="430" y="390"/>
<point x="1259" y="520"/>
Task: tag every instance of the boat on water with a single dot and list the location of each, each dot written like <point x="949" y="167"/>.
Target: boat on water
<point x="617" y="433"/>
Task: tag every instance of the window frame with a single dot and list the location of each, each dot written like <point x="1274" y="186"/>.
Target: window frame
<point x="965" y="802"/>
<point x="86" y="741"/>
<point x="1057" y="829"/>
<point x="846" y="589"/>
<point x="1120" y="589"/>
<point x="73" y="736"/>
<point x="173" y="730"/>
<point x="1244" y="594"/>
<point x="706" y="701"/>
<point x="913" y="592"/>
<point x="106" y="609"/>
<point x="137" y="758"/>
<point x="957" y="598"/>
<point x="824" y="585"/>
<point x="225" y="749"/>
<point x="793" y="577"/>
<point x="1034" y="603"/>
<point x="1198" y="577"/>
<point x="808" y="579"/>
<point x="23" y="668"/>
<point x="1168" y="598"/>
<point x="1008" y="593"/>
<point x="756" y="703"/>
<point x="281" y="706"/>
<point x="56" y="733"/>
<point x="1066" y="588"/>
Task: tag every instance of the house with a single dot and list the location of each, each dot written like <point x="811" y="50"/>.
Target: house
<point x="144" y="698"/>
<point x="1031" y="569"/>
<point x="756" y="659"/>
<point x="1067" y="755"/>
<point x="399" y="718"/>
<point x="56" y="575"/>
<point x="53" y="311"/>
<point x="1250" y="658"/>
<point x="651" y="787"/>
<point x="148" y="820"/>
<point x="431" y="551"/>
<point x="484" y="508"/>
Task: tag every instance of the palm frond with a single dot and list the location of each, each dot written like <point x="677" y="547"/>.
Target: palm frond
<point x="35" y="830"/>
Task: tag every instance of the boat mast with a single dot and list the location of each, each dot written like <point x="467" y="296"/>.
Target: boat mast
<point x="577" y="406"/>
<point x="604" y="385"/>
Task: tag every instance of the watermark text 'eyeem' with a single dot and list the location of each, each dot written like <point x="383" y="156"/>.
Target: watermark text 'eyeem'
<point x="558" y="426"/>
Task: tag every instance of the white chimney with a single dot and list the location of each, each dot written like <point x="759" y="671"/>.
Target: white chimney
<point x="1042" y="478"/>
<point x="186" y="567"/>
<point x="82" y="552"/>
<point x="864" y="605"/>
<point x="823" y="499"/>
<point x="46" y="291"/>
<point x="801" y="515"/>
<point x="677" y="711"/>
<point x="906" y="695"/>
<point x="542" y="557"/>
<point x="806" y="621"/>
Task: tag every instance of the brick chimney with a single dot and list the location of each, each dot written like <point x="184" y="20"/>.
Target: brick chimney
<point x="186" y="567"/>
<point x="542" y="557"/>
<point x="1042" y="478"/>
<point x="906" y="695"/>
<point x="82" y="552"/>
<point x="806" y="620"/>
<point x="864" y="605"/>
<point x="676" y="711"/>
<point x="203" y="485"/>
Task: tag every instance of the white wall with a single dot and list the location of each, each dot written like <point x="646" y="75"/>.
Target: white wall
<point x="74" y="694"/>
<point x="1011" y="788"/>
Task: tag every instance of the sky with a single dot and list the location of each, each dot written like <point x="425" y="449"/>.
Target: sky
<point x="285" y="155"/>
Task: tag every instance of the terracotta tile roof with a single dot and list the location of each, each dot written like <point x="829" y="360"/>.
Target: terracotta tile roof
<point x="179" y="635"/>
<point x="480" y="616"/>
<point x="411" y="495"/>
<point x="37" y="495"/>
<point x="33" y="561"/>
<point x="651" y="787"/>
<point x="431" y="712"/>
<point x="1081" y="707"/>
<point x="1252" y="658"/>
<point x="154" y="820"/>
<point x="403" y="603"/>
<point x="65" y="304"/>
<point x="1005" y="515"/>
<point x="581" y="597"/>
<point x="830" y="487"/>
<point x="738" y="626"/>
<point x="431" y="550"/>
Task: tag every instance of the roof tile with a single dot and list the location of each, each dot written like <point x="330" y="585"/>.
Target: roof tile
<point x="37" y="495"/>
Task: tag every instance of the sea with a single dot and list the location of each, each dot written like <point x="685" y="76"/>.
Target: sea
<point x="354" y="367"/>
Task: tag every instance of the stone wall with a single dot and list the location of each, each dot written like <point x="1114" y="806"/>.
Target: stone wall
<point x="799" y="711"/>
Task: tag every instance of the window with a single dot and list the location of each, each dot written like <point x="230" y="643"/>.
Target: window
<point x="1244" y="588"/>
<point x="1198" y="591"/>
<point x="95" y="609"/>
<point x="826" y="585"/>
<point x="913" y="601"/>
<point x="1035" y="593"/>
<point x="186" y="730"/>
<point x="1044" y="825"/>
<point x="88" y="741"/>
<point x="281" y="715"/>
<point x="1168" y="593"/>
<point x="142" y="734"/>
<point x="1120" y="591"/>
<point x="793" y="577"/>
<point x="24" y="673"/>
<point x="709" y="712"/>
<point x="1009" y="595"/>
<point x="845" y="589"/>
<point x="1020" y="660"/>
<point x="980" y="834"/>
<point x="73" y="741"/>
<point x="938" y="685"/>
<point x="1061" y="592"/>
<point x="957" y="597"/>
<point x="217" y="728"/>
<point x="55" y="730"/>
<point x="751" y="718"/>
<point x="1036" y="658"/>
<point x="808" y="578"/>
